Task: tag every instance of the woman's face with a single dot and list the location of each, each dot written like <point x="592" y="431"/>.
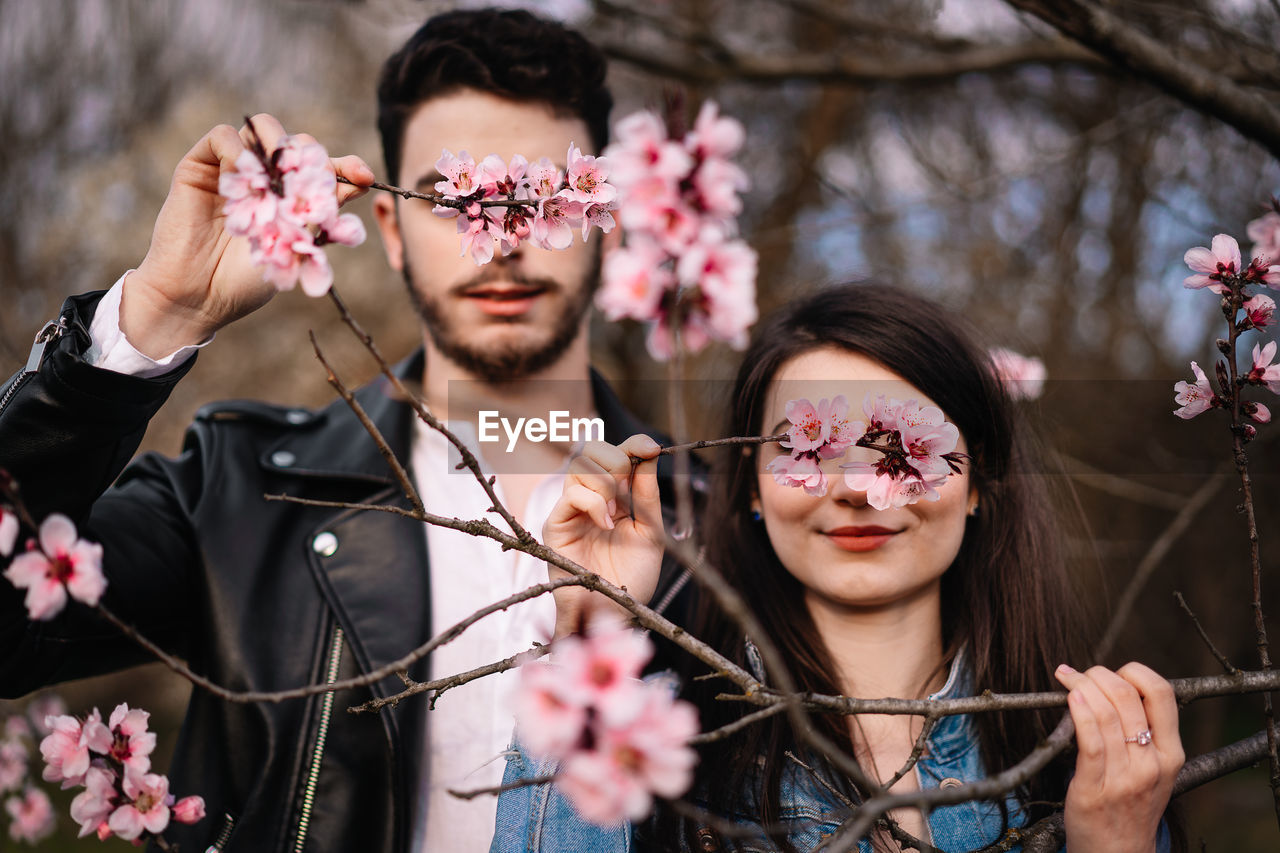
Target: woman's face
<point x="845" y="553"/>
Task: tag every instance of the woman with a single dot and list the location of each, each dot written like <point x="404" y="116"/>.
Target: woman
<point x="938" y="598"/>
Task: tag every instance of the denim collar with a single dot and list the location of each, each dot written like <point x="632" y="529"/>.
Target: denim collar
<point x="953" y="735"/>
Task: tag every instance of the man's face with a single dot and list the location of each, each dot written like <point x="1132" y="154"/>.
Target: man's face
<point x="517" y="314"/>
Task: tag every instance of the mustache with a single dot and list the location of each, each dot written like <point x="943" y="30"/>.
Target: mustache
<point x="507" y="273"/>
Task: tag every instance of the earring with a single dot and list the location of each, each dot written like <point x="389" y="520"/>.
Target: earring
<point x="973" y="511"/>
<point x="755" y="514"/>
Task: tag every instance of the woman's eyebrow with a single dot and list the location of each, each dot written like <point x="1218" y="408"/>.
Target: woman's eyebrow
<point x="780" y="427"/>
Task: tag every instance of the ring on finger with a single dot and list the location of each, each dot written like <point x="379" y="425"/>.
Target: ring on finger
<point x="1142" y="738"/>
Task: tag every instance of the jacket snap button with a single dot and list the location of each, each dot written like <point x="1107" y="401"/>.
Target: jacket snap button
<point x="950" y="782"/>
<point x="283" y="459"/>
<point x="708" y="840"/>
<point x="325" y="544"/>
<point x="297" y="416"/>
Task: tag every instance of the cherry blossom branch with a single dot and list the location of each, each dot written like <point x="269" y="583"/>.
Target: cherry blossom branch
<point x="738" y="724"/>
<point x="1222" y="659"/>
<point x="438" y="686"/>
<point x="402" y="476"/>
<point x="674" y="449"/>
<point x="444" y="200"/>
<point x="1231" y="306"/>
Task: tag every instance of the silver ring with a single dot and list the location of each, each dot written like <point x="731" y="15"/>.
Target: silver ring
<point x="1142" y="738"/>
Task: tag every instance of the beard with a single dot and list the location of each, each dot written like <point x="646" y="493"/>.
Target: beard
<point x="509" y="362"/>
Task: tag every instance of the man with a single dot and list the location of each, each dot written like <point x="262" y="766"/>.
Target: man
<point x="264" y="595"/>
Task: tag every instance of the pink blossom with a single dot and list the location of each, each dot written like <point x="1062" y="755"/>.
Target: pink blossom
<point x="8" y="530"/>
<point x="1260" y="309"/>
<point x="16" y="727"/>
<point x="309" y="196"/>
<point x="1194" y="398"/>
<point x="552" y="226"/>
<point x="811" y="425"/>
<point x="1257" y="412"/>
<point x="718" y="183"/>
<point x="882" y="412"/>
<point x="587" y="178"/>
<point x="66" y="749"/>
<point x="1265" y="234"/>
<point x="346" y="229"/>
<point x="477" y="235"/>
<point x="802" y="471"/>
<point x="459" y="174"/>
<point x="643" y="150"/>
<point x="129" y="743"/>
<point x="314" y="273"/>
<point x="273" y="247"/>
<point x="63" y="564"/>
<point x="43" y="709"/>
<point x="598" y="216"/>
<point x="1023" y="376"/>
<point x="725" y="272"/>
<point x="714" y="135"/>
<point x="884" y="490"/>
<point x="550" y="716"/>
<point x="250" y="201"/>
<point x="926" y="437"/>
<point x="147" y="809"/>
<point x="13" y="764"/>
<point x="603" y="666"/>
<point x="189" y="810"/>
<point x="693" y="336"/>
<point x="630" y="763"/>
<point x="298" y="156"/>
<point x="94" y="804"/>
<point x="1212" y="265"/>
<point x="633" y="282"/>
<point x="30" y="816"/>
<point x="543" y="178"/>
<point x="1263" y="371"/>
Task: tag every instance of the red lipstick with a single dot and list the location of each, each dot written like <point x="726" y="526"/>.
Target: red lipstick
<point x="860" y="538"/>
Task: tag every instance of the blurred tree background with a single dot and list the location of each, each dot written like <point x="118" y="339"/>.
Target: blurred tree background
<point x="1038" y="165"/>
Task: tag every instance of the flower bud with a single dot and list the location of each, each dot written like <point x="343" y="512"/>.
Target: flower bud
<point x="1257" y="411"/>
<point x="1224" y="346"/>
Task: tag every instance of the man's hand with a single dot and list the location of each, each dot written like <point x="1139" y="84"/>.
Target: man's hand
<point x="197" y="278"/>
<point x="608" y="520"/>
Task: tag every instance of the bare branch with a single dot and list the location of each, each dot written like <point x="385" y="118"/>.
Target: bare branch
<point x="1222" y="659"/>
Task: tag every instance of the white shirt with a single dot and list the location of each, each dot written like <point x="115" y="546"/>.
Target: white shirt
<point x="471" y="725"/>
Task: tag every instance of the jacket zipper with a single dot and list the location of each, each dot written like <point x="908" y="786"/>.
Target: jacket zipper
<point x="48" y="334"/>
<point x="228" y="824"/>
<point x="317" y="754"/>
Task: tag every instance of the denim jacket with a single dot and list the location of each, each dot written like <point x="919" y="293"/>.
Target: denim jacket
<point x="539" y="819"/>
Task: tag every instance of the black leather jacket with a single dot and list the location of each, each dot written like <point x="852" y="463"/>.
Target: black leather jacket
<point x="241" y="588"/>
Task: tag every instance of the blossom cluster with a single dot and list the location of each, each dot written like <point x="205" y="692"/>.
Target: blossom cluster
<point x="286" y="203"/>
<point x="619" y="740"/>
<point x="58" y="565"/>
<point x="28" y="807"/>
<point x="917" y="448"/>
<point x="553" y="203"/>
<point x="1220" y="268"/>
<point x="112" y="760"/>
<point x="679" y="203"/>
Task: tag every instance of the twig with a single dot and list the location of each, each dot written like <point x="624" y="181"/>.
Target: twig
<point x="443" y="201"/>
<point x="402" y="476"/>
<point x="737" y="725"/>
<point x="440" y="685"/>
<point x="501" y="789"/>
<point x="1189" y="513"/>
<point x="1105" y="481"/>
<point x="1222" y="659"/>
<point x="917" y="750"/>
<point x="672" y="450"/>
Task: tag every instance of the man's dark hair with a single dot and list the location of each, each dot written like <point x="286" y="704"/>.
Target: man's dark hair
<point x="509" y="53"/>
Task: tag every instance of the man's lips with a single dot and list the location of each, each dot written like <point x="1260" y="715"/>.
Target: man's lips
<point x="503" y="299"/>
<point x="860" y="537"/>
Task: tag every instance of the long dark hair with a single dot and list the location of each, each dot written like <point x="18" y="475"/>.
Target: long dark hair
<point x="1007" y="598"/>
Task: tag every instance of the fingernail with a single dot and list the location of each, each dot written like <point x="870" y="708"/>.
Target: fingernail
<point x="608" y="521"/>
<point x="612" y="507"/>
<point x="1066" y="670"/>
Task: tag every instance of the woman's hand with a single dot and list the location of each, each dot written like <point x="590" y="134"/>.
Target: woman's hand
<point x="197" y="278"/>
<point x="609" y="521"/>
<point x="1130" y="752"/>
